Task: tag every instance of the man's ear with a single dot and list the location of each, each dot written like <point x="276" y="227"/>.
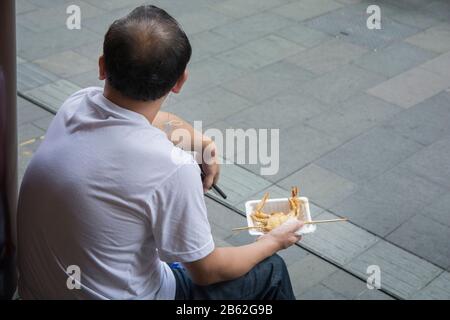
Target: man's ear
<point x="180" y="82"/>
<point x="101" y="68"/>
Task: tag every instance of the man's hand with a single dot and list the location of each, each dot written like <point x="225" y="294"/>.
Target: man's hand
<point x="284" y="235"/>
<point x="232" y="262"/>
<point x="209" y="165"/>
<point x="208" y="160"/>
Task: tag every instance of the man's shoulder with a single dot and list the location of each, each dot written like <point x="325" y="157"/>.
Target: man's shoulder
<point x="81" y="94"/>
<point x="154" y="153"/>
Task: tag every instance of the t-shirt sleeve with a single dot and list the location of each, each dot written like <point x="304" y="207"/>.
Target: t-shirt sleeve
<point x="179" y="218"/>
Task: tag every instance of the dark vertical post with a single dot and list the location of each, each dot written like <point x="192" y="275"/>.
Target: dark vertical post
<point x="8" y="148"/>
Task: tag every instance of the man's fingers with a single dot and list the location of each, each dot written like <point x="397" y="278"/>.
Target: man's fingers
<point x="216" y="178"/>
<point x="293" y="225"/>
<point x="208" y="182"/>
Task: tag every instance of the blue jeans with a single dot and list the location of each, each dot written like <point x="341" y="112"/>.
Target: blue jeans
<point x="269" y="280"/>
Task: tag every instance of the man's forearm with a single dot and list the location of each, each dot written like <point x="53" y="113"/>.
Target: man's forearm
<point x="233" y="262"/>
<point x="182" y="133"/>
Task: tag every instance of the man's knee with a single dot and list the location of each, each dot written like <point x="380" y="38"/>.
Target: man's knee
<point x="277" y="265"/>
<point x="277" y="260"/>
<point x="275" y="276"/>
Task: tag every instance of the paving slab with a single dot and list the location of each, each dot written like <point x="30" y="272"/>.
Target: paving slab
<point x="327" y="56"/>
<point x="304" y="36"/>
<point x="422" y="19"/>
<point x="386" y="202"/>
<point x="240" y="9"/>
<point x="322" y="186"/>
<point x="28" y="131"/>
<point x="268" y="81"/>
<point x="346" y="2"/>
<point x="23" y="6"/>
<point x="201" y="19"/>
<point x="91" y="51"/>
<point x="345" y="284"/>
<point x="320" y="292"/>
<point x="209" y="107"/>
<point x="309" y="272"/>
<point x="30" y="76"/>
<point x="374" y="294"/>
<point x="439" y="210"/>
<point x="253" y="27"/>
<point x="426" y="238"/>
<point x="238" y="183"/>
<point x="353" y="117"/>
<point x="402" y="273"/>
<point x="284" y="110"/>
<point x="110" y="5"/>
<point x="293" y="255"/>
<point x="369" y="155"/>
<point x="54" y="16"/>
<point x="32" y="46"/>
<point x="206" y="74"/>
<point x="394" y="59"/>
<point x="223" y="218"/>
<point x="44" y="122"/>
<point x="439" y="65"/>
<point x="432" y="163"/>
<point x="27" y="112"/>
<point x="438" y="289"/>
<point x="411" y="87"/>
<point x="54" y="94"/>
<point x="436" y="38"/>
<point x="206" y="44"/>
<point x="341" y="84"/>
<point x="47" y="3"/>
<point x="240" y="238"/>
<point x="406" y="4"/>
<point x="439" y="9"/>
<point x="219" y="243"/>
<point x="340" y="242"/>
<point x="260" y="53"/>
<point x="306" y="9"/>
<point x="425" y="122"/>
<point x="350" y="22"/>
<point x="295" y="155"/>
<point x="66" y="64"/>
<point x="87" y="79"/>
<point x="99" y="25"/>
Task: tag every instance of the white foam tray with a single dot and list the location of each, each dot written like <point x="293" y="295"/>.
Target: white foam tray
<point x="278" y="205"/>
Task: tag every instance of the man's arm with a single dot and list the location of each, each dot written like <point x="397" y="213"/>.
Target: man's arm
<point x="233" y="262"/>
<point x="186" y="137"/>
<point x="195" y="138"/>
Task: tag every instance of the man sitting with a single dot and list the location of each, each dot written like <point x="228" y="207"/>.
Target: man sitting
<point x="104" y="194"/>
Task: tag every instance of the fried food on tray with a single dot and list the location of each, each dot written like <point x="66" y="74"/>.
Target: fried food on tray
<point x="269" y="221"/>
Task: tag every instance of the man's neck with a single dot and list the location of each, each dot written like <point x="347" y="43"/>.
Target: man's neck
<point x="148" y="109"/>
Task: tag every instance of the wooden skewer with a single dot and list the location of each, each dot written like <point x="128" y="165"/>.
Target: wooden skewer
<point x="246" y="228"/>
<point x="306" y="222"/>
<point x="326" y="221"/>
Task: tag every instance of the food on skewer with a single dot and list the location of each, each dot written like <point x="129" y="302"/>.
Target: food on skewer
<point x="269" y="221"/>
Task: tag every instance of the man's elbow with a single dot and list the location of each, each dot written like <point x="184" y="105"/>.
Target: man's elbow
<point x="205" y="276"/>
<point x="206" y="271"/>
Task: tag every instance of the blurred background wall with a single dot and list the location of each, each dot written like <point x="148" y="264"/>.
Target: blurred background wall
<point x="8" y="148"/>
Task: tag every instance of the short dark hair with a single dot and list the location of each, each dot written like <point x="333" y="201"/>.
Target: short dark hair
<point x="145" y="53"/>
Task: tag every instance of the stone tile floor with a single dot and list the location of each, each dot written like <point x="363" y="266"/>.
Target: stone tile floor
<point x="364" y="119"/>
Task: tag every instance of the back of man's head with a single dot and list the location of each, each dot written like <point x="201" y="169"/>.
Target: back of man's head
<point x="146" y="53"/>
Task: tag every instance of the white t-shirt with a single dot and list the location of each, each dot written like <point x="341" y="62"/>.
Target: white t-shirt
<point x="108" y="193"/>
